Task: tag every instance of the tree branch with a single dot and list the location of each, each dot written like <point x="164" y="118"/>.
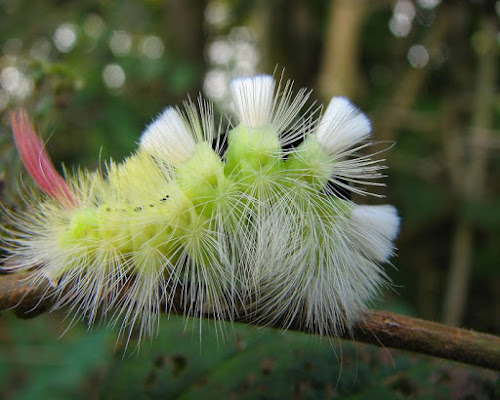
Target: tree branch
<point x="377" y="327"/>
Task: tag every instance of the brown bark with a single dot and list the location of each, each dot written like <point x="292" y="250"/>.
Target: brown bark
<point x="25" y="300"/>
<point x="431" y="338"/>
<point x="339" y="72"/>
<point x="377" y="327"/>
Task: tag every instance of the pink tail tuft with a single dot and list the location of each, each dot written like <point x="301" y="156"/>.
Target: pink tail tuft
<point x="37" y="162"/>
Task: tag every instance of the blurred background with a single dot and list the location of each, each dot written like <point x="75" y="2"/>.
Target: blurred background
<point x="93" y="74"/>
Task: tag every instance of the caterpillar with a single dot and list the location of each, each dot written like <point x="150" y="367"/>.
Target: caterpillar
<point x="236" y="220"/>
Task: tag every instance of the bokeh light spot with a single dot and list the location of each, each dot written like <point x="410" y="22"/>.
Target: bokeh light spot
<point x="113" y="76"/>
<point x="16" y="83"/>
<point x="152" y="47"/>
<point x="65" y="37"/>
<point x="217" y="13"/>
<point x="120" y="43"/>
<point x="41" y="48"/>
<point x="418" y="56"/>
<point x="94" y="26"/>
<point x="216" y="84"/>
<point x="428" y="4"/>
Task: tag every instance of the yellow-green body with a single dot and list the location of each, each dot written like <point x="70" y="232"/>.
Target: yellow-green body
<point x="147" y="202"/>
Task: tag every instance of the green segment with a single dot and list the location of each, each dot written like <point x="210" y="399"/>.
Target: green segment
<point x="310" y="163"/>
<point x="251" y="150"/>
<point x="254" y="173"/>
<point x="199" y="176"/>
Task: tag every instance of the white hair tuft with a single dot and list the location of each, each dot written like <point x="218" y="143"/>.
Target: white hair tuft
<point x="342" y="126"/>
<point x="168" y="138"/>
<point x="253" y="100"/>
<point x="375" y="228"/>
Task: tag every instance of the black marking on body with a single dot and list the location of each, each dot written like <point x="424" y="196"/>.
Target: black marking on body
<point x="339" y="191"/>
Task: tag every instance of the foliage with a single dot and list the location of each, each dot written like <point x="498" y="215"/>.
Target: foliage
<point x="239" y="363"/>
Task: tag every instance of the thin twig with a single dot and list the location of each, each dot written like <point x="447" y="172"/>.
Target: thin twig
<point x="377" y="327"/>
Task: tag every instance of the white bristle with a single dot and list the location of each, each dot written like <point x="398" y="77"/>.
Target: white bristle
<point x="342" y="126"/>
<point x="376" y="227"/>
<point x="260" y="231"/>
<point x="168" y="137"/>
<point x="253" y="100"/>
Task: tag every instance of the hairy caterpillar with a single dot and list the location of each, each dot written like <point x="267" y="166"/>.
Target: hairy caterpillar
<point x="259" y="228"/>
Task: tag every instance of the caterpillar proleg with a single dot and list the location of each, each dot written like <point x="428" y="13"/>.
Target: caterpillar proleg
<point x="258" y="228"/>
